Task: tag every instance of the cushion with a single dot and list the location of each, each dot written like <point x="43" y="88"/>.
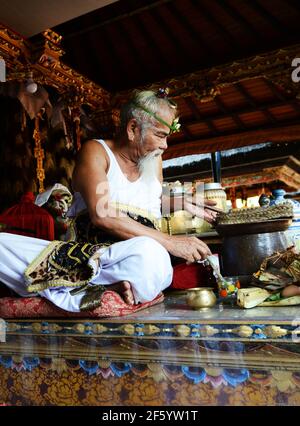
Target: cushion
<point x="37" y="307"/>
<point x="189" y="276"/>
<point x="25" y="218"/>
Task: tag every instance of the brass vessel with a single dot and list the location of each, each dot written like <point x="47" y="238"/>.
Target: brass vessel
<point x="201" y="297"/>
<point x="179" y="222"/>
<point x="212" y="191"/>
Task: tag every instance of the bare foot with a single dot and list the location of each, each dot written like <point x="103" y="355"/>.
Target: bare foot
<point x="124" y="289"/>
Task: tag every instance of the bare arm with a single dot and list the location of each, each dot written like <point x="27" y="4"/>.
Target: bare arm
<point x="90" y="179"/>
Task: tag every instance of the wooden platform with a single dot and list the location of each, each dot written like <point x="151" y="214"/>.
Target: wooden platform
<point x="168" y="354"/>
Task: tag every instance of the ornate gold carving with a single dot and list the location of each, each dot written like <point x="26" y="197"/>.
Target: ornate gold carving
<point x="80" y="328"/>
<point x="128" y="329"/>
<point x="12" y="326"/>
<point x="36" y="327"/>
<point x="151" y="329"/>
<point x="52" y="36"/>
<point x="176" y="332"/>
<point x="282" y="173"/>
<point x="182" y="330"/>
<point x="274" y="331"/>
<point x="275" y="65"/>
<point x="54" y="328"/>
<point x="99" y="328"/>
<point x="44" y="60"/>
<point x="39" y="154"/>
<point x="243" y="331"/>
<point x="208" y="331"/>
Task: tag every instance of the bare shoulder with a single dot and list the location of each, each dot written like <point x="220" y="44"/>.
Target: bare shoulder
<point x="92" y="160"/>
<point x="93" y="151"/>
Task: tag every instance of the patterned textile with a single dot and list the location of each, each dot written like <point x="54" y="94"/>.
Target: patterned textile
<point x="112" y="305"/>
<point x="81" y="229"/>
<point x="67" y="264"/>
<point x="61" y="264"/>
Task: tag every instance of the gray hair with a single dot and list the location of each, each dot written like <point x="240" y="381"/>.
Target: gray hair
<point x="150" y="101"/>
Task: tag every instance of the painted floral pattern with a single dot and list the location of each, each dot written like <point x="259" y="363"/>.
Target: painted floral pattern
<point x="71" y="382"/>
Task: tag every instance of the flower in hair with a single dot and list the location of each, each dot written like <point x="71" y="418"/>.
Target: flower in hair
<point x="175" y="126"/>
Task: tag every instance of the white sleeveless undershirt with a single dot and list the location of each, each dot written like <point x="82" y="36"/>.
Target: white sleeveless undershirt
<point x="143" y="193"/>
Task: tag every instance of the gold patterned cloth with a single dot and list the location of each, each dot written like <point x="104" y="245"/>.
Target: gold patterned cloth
<point x="64" y="264"/>
<point x="67" y="264"/>
<point x="81" y="228"/>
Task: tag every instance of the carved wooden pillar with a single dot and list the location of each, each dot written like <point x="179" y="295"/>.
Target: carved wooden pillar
<point x="39" y="154"/>
<point x="244" y="195"/>
<point x="232" y="197"/>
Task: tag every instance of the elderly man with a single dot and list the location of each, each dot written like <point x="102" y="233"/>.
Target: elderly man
<point x="117" y="206"/>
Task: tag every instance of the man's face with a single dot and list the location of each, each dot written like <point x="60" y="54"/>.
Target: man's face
<point x="154" y="139"/>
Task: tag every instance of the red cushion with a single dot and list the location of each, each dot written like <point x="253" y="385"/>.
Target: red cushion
<point x="36" y="307"/>
<point x="189" y="276"/>
<point x="25" y="218"/>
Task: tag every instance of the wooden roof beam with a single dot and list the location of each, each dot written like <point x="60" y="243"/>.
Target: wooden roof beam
<point x="228" y="74"/>
<point x="210" y="50"/>
<point x="196" y="112"/>
<point x="196" y="35"/>
<point x="188" y="135"/>
<point x="230" y="39"/>
<point x="178" y="43"/>
<point x="270" y="18"/>
<point x="234" y="133"/>
<point x="151" y="41"/>
<point x="293" y="102"/>
<point x="288" y="133"/>
<point x="294" y="4"/>
<point x="237" y="16"/>
<point x="234" y="115"/>
<point x="138" y="55"/>
<point x="253" y="103"/>
<point x="127" y="14"/>
<point x="112" y="52"/>
<point x="229" y="113"/>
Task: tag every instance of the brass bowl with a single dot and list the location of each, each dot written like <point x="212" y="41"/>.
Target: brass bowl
<point x="201" y="297"/>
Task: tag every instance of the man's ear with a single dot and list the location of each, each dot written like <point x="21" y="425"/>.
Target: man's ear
<point x="131" y="129"/>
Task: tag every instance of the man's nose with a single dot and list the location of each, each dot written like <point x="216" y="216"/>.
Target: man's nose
<point x="164" y="145"/>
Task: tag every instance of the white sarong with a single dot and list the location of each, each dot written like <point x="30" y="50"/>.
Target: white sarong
<point x="140" y="260"/>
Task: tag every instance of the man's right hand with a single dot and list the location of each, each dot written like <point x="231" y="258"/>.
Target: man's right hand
<point x="189" y="248"/>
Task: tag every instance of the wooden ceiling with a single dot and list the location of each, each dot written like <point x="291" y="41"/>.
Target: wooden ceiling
<point x="227" y="64"/>
<point x="137" y="42"/>
<point x="244" y="113"/>
<point x="192" y="46"/>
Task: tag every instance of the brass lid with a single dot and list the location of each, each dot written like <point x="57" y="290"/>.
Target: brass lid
<point x="212" y="185"/>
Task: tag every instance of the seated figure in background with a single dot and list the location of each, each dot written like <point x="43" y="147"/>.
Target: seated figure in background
<point x="115" y="239"/>
<point x="57" y="201"/>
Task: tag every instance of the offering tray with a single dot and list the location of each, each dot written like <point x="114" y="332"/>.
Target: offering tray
<point x="253" y="227"/>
